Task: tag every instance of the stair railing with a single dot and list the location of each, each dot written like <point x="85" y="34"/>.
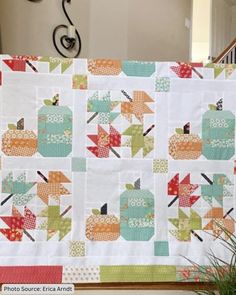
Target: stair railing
<point x="228" y="56"/>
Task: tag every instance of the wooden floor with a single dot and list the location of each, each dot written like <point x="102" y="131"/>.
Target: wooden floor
<point x="145" y="286"/>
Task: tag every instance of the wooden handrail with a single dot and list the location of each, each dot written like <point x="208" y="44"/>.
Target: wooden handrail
<point x="225" y="52"/>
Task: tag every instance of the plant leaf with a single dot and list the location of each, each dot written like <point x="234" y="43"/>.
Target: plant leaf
<point x="223" y="274"/>
<point x="47" y="102"/>
<point x="129" y="186"/>
<point x="179" y="131"/>
<point x="96" y="212"/>
<point x="212" y="107"/>
<point x="11" y="126"/>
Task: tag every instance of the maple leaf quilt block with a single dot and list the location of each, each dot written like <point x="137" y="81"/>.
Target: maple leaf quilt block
<point x="119" y="120"/>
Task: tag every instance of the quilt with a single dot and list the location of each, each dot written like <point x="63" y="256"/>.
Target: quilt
<point x="114" y="171"/>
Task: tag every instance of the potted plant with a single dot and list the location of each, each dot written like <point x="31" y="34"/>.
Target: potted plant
<point x="220" y="273"/>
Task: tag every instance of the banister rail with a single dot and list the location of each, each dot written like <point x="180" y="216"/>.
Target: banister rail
<point x="228" y="56"/>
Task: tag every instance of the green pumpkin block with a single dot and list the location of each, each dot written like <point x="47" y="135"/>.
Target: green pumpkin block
<point x="218" y="133"/>
<point x="54" y="129"/>
<point x="136" y="213"/>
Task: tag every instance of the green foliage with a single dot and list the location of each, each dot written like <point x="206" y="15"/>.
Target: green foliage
<point x="223" y="274"/>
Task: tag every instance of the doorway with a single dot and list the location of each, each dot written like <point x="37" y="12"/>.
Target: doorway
<point x="201" y="30"/>
<point x="213" y="28"/>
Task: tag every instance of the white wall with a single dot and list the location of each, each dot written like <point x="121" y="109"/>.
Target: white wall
<point x="221" y="32"/>
<point x="27" y="27"/>
<point x="157" y="29"/>
<point x="214" y="27"/>
<point x="133" y="29"/>
<point x="108" y="28"/>
<point x="233" y="25"/>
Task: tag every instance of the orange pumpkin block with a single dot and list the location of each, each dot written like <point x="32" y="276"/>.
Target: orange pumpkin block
<point x="185" y="146"/>
<point x="104" y="66"/>
<point x="19" y="142"/>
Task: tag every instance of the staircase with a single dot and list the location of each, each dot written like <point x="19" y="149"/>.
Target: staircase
<point x="228" y="56"/>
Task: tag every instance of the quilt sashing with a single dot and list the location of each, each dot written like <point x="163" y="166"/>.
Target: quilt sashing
<point x="114" y="171"/>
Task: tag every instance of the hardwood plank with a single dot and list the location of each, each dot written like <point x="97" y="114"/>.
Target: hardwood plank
<point x="145" y="286"/>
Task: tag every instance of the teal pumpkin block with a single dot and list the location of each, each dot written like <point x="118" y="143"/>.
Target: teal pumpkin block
<point x="55" y="131"/>
<point x="79" y="165"/>
<point x="137" y="215"/>
<point x="161" y="248"/>
<point x="218" y="135"/>
<point x="138" y="68"/>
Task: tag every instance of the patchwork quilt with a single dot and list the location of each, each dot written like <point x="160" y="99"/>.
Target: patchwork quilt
<point x="114" y="171"/>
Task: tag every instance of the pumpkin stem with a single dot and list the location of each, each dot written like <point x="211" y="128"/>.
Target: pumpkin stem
<point x="187" y="128"/>
<point x="104" y="209"/>
<point x="219" y="105"/>
<point x="137" y="184"/>
<point x="20" y="124"/>
<point x="55" y="100"/>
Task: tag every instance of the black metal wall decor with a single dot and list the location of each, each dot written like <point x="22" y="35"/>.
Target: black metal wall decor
<point x="67" y="44"/>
